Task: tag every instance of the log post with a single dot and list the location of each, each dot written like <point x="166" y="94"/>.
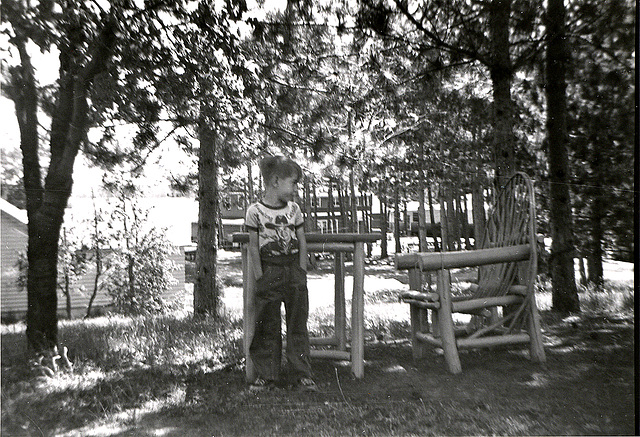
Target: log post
<point x="445" y="323"/>
<point x="357" y="310"/>
<point x="249" y="317"/>
<point x="340" y="306"/>
<point x="536" y="348"/>
<point x="415" y="283"/>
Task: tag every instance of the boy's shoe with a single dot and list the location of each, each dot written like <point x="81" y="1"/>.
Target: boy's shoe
<point x="261" y="385"/>
<point x="307" y="384"/>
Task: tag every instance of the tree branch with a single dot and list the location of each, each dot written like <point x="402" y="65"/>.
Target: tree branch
<point x="439" y="42"/>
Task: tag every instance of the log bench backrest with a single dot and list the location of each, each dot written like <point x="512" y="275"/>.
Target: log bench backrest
<point x="511" y="222"/>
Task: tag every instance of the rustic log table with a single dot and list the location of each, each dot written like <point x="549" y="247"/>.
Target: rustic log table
<point x="339" y="244"/>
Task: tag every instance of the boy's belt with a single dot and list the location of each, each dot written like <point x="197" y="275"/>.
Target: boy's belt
<point x="283" y="260"/>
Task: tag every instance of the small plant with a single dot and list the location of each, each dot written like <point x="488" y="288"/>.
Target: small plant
<point x="628" y="301"/>
<point x="611" y="298"/>
<point x="138" y="269"/>
<point x="72" y="264"/>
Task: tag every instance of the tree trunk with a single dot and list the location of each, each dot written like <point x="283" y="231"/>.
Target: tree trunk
<point x="565" y="293"/>
<point x="596" y="236"/>
<point x="422" y="216"/>
<point x="315" y="206"/>
<point x="596" y="211"/>
<point x="42" y="254"/>
<point x="127" y="236"/>
<point x="331" y="213"/>
<point x="67" y="294"/>
<point x="206" y="293"/>
<point x="343" y="209"/>
<point x="384" y="253"/>
<point x="43" y="224"/>
<point x="96" y="282"/>
<point x="453" y="230"/>
<point x="582" y="270"/>
<point x="464" y="215"/>
<point x="46" y="206"/>
<point x="432" y="217"/>
<point x="97" y="255"/>
<point x="306" y="210"/>
<point x="396" y="218"/>
<point x="66" y="289"/>
<point x="353" y="202"/>
<point x="444" y="231"/>
<point x="250" y="189"/>
<point x="367" y="214"/>
<point x="479" y="216"/>
<point x="501" y="76"/>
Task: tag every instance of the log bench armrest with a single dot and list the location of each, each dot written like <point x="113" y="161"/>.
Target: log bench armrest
<point x="430" y="261"/>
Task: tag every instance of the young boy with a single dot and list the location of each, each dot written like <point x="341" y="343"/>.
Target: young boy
<point x="276" y="238"/>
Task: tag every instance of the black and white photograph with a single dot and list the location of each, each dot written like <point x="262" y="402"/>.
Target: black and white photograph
<point x="318" y="218"/>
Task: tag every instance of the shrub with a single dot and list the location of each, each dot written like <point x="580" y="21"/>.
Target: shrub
<point x="137" y="278"/>
<point x="138" y="270"/>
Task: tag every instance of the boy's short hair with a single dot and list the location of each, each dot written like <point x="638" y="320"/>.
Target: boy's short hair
<point x="280" y="166"/>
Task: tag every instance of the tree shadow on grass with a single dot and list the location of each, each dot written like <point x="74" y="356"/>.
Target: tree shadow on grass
<point x="584" y="388"/>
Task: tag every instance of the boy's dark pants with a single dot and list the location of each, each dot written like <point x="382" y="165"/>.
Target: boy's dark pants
<point x="281" y="283"/>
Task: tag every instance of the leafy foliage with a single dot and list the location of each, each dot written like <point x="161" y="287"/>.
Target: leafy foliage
<point x="138" y="269"/>
<point x="601" y="128"/>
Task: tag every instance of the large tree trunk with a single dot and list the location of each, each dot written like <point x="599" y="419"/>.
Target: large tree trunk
<point x="206" y="293"/>
<point x="565" y="294"/>
<point x="42" y="254"/>
<point x="46" y="205"/>
<point x="501" y="76"/>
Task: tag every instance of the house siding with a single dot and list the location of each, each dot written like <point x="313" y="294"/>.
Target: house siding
<point x="13" y="237"/>
<point x="14" y="299"/>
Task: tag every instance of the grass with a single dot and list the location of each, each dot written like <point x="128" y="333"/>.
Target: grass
<point x="177" y="375"/>
<point x="121" y="365"/>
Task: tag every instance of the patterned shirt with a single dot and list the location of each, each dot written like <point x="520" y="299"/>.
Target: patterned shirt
<point x="276" y="228"/>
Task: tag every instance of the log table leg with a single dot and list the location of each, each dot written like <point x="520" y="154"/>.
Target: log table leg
<point x="357" y="309"/>
<point x="340" y="315"/>
<point x="249" y="318"/>
<point x="445" y="323"/>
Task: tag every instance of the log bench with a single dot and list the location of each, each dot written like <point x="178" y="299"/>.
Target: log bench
<point x="502" y="303"/>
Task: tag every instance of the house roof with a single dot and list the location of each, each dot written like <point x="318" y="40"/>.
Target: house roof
<point x="13" y="211"/>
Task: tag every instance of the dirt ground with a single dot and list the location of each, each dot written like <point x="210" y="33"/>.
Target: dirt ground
<point x="586" y="387"/>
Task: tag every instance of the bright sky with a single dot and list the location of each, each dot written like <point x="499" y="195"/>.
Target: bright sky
<point x="86" y="178"/>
